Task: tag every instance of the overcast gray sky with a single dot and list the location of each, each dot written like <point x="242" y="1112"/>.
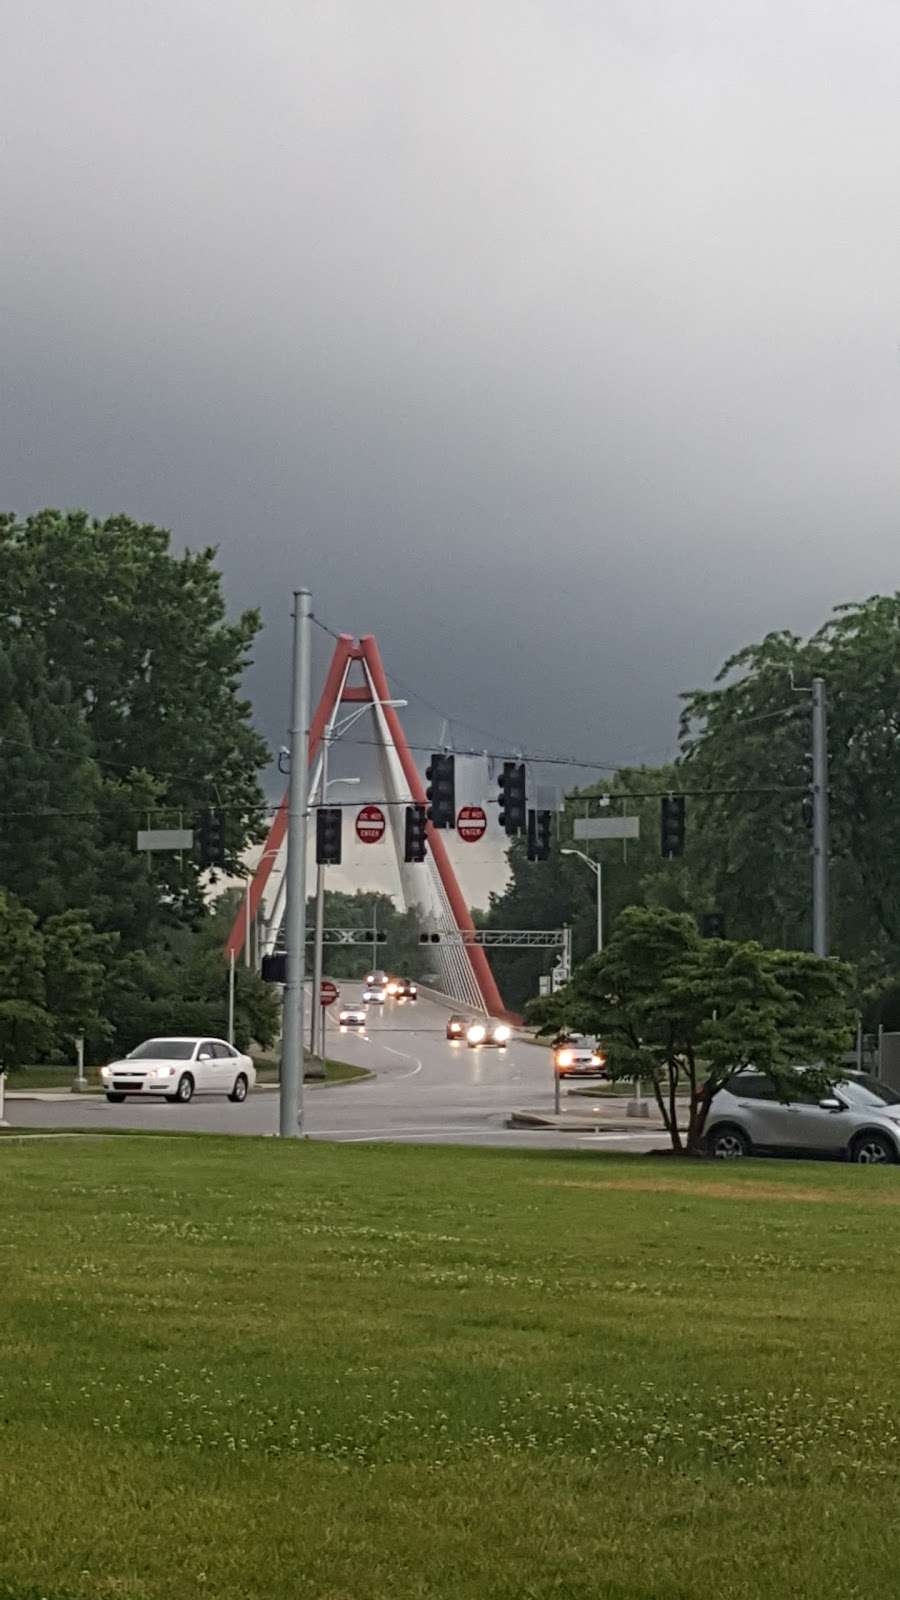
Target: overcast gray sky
<point x="556" y="342"/>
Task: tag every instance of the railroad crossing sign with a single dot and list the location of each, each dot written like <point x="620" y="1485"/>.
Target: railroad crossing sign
<point x="328" y="992"/>
<point x="370" y="824"/>
<point x="471" y="823"/>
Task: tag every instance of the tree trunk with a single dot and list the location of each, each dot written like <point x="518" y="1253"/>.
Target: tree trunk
<point x="674" y="1131"/>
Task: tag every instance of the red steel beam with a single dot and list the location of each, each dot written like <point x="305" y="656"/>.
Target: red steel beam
<point x="344" y="652"/>
<point x="479" y="961"/>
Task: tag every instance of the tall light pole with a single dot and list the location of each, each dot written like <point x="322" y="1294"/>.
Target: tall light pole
<point x="820" y="817"/>
<point x="597" y="869"/>
<point x="317" y="1020"/>
<point x="290" y="1110"/>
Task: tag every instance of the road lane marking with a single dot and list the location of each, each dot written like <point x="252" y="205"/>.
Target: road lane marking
<point x="403" y="1057"/>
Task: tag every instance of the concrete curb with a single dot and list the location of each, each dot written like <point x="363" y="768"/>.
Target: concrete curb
<point x="568" y="1122"/>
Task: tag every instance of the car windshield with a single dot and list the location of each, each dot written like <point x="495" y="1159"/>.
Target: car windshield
<point x="867" y="1092"/>
<point x="164" y="1050"/>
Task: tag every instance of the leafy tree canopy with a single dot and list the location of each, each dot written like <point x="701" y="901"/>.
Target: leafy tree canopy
<point x="686" y="1013"/>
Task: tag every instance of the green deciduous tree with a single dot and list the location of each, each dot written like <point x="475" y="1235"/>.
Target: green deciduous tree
<point x="26" y="1028"/>
<point x="151" y="662"/>
<point x="685" y="1012"/>
<point x="751" y="733"/>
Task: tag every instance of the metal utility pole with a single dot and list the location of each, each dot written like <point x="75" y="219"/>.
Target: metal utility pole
<point x="317" y="1020"/>
<point x="230" y="1034"/>
<point x="820" y="818"/>
<point x="290" y="1118"/>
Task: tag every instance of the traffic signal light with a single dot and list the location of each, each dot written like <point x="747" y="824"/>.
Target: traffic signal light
<point x="672" y="825"/>
<point x="538" y="835"/>
<point x="210" y="830"/>
<point x="416" y="847"/>
<point x="511" y="797"/>
<point x="441" y="792"/>
<point x="328" y="836"/>
<point x="712" y="925"/>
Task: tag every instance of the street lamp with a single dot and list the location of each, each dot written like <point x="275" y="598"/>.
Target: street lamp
<point x="597" y="869"/>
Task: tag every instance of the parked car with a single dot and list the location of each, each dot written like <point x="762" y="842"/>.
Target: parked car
<point x="858" y="1118"/>
<point x="178" y="1068"/>
<point x="488" y="1031"/>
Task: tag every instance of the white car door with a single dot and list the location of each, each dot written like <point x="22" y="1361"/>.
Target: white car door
<point x="228" y="1064"/>
<point x="206" y="1068"/>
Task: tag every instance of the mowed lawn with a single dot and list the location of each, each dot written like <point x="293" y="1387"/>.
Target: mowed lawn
<point x="251" y="1369"/>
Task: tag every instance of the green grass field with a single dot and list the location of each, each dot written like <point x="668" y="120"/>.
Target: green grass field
<point x="262" y="1370"/>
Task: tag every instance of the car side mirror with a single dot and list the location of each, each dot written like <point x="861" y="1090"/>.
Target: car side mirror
<point x="830" y="1103"/>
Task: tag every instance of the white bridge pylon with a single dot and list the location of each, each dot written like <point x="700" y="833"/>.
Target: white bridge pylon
<point x="429" y="887"/>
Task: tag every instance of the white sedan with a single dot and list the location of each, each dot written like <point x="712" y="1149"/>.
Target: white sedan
<point x="352" y="1017"/>
<point x="178" y="1068"/>
<point x="373" y="995"/>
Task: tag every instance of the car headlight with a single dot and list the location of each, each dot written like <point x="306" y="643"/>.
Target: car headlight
<point x="502" y="1033"/>
<point x="476" y="1033"/>
<point x="596" y="1061"/>
<point x="565" y="1058"/>
<point x="106" y="1072"/>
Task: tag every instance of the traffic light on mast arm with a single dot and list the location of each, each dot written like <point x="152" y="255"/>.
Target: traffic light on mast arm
<point x="416" y="846"/>
<point x="672" y="825"/>
<point x="441" y="792"/>
<point x="329" y="821"/>
<point x="539" y="835"/>
<point x="210" y="830"/>
<point x="511" y="798"/>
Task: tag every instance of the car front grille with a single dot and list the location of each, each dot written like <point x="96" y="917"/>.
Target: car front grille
<point x="124" y="1085"/>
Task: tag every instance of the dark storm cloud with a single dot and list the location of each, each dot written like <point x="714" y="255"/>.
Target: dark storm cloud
<point x="554" y="343"/>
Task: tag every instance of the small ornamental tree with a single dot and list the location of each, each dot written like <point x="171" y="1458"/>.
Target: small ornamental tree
<point x="686" y="1013"/>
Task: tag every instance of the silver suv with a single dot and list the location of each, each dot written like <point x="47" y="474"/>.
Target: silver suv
<point x="859" y="1119"/>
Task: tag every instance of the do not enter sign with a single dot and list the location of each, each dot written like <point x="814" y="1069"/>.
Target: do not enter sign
<point x="471" y="824"/>
<point x="328" y="992"/>
<point x="370" y="824"/>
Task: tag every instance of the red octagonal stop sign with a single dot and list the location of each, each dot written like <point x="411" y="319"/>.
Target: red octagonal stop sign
<point x="370" y="824"/>
<point x="471" y="824"/>
<point x="328" y="992"/>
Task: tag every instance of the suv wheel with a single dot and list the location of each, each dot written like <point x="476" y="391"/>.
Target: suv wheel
<point x="728" y="1142"/>
<point x="872" y="1149"/>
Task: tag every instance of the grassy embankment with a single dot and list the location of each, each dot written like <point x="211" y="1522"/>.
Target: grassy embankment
<point x="253" y="1369"/>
